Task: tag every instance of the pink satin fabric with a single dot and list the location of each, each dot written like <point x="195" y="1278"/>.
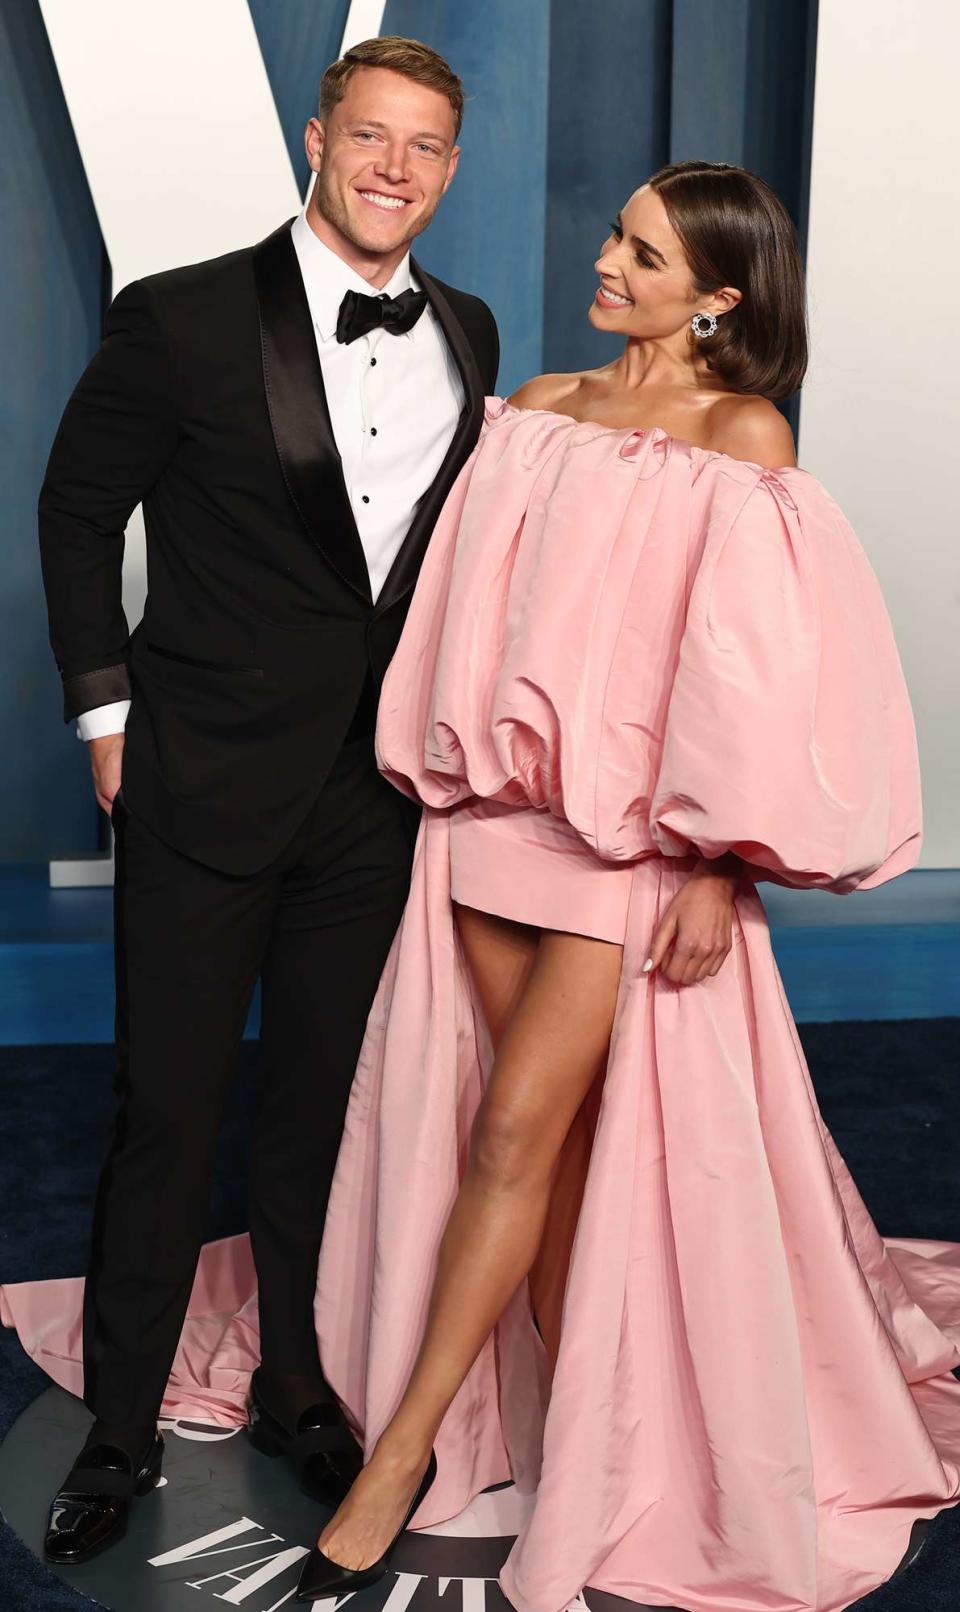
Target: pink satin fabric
<point x="674" y="652"/>
<point x="523" y="863"/>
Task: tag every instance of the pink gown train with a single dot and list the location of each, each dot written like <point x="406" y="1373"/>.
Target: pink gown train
<point x="674" y="653"/>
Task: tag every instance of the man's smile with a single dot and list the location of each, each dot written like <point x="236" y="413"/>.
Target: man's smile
<point x="383" y="200"/>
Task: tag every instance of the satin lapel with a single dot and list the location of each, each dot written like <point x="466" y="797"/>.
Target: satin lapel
<point x="406" y="567"/>
<point x="299" y="415"/>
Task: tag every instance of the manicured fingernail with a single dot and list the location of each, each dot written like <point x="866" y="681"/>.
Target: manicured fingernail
<point x="648" y="965"/>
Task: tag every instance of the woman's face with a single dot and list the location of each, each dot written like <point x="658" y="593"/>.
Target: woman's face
<point x="646" y="290"/>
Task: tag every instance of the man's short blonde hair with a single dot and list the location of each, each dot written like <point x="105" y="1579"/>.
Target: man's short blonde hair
<point x="406" y="56"/>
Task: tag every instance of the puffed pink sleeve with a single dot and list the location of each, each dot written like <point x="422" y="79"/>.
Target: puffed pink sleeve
<point x="789" y="737"/>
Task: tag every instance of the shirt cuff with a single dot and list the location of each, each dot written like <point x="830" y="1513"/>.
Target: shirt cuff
<point x="102" y="720"/>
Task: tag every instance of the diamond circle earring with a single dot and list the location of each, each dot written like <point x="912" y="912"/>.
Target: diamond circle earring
<point x="710" y="325"/>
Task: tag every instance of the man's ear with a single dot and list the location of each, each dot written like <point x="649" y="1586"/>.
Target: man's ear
<point x="451" y="169"/>
<point x="314" y="138"/>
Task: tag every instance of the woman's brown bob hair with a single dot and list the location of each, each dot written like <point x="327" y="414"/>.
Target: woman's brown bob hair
<point x="735" y="231"/>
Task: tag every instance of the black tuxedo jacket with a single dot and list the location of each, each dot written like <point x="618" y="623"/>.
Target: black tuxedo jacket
<point x="206" y="403"/>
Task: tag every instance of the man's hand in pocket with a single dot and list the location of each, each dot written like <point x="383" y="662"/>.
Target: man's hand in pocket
<point x="106" y="764"/>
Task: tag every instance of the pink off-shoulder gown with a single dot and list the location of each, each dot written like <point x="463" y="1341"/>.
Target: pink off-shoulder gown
<point x="625" y="652"/>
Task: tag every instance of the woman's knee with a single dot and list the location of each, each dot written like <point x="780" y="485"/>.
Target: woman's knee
<point x="509" y="1148"/>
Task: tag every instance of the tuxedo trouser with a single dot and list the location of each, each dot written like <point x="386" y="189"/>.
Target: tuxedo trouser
<point x="191" y="942"/>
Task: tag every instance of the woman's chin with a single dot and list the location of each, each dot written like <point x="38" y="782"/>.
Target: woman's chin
<point x="604" y="318"/>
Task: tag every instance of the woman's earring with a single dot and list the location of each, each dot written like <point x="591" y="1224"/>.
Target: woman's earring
<point x="710" y="324"/>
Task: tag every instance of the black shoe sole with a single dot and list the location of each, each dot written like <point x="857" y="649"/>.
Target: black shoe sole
<point x="79" y="1557"/>
<point x="263" y="1441"/>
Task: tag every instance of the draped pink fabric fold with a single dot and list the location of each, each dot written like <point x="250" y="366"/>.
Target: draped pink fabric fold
<point x="677" y="653"/>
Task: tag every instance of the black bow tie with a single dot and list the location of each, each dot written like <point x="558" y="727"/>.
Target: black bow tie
<point x="359" y="314"/>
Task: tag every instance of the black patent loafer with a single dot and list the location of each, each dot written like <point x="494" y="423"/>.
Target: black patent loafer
<point x="321" y="1577"/>
<point x="323" y="1451"/>
<point x="89" y="1513"/>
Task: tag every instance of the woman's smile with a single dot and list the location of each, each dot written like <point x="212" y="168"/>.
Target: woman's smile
<point x="612" y="299"/>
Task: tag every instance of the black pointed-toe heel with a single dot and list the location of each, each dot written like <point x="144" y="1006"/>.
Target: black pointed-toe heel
<point x="320" y="1576"/>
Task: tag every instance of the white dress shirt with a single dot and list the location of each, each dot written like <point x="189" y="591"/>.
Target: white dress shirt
<point x="394" y="405"/>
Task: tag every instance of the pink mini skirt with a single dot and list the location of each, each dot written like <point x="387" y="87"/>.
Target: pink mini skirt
<point x="523" y="863"/>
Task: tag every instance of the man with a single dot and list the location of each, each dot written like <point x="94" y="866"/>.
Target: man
<point x="292" y="417"/>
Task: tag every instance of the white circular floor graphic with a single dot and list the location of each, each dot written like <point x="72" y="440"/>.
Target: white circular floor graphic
<point x="230" y="1528"/>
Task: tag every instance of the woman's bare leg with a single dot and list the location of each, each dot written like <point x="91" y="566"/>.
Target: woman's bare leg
<point x="548" y="1274"/>
<point x="499" y="955"/>
<point x="502" y="954"/>
<point x="547" y="1057"/>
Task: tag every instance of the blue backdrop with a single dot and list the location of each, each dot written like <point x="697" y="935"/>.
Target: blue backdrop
<point x="569" y="107"/>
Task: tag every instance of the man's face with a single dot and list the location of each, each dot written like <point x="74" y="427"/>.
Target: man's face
<point x="383" y="160"/>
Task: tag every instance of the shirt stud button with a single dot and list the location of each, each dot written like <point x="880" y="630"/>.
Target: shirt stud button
<point x="373" y="363"/>
<point x="364" y="499"/>
<point x="373" y="430"/>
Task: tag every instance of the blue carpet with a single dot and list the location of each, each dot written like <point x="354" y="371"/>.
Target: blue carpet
<point x="888" y="1091"/>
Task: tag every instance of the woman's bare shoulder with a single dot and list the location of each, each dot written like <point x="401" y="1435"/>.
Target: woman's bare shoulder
<point x="544" y="391"/>
<point x="751" y="428"/>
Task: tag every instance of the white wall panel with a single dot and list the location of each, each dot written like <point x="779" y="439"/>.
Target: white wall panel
<point x="880" y="419"/>
<point x="364" y="21"/>
<point x="180" y="140"/>
<point x="176" y="125"/>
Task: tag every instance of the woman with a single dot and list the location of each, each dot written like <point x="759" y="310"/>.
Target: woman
<point x="606" y="1245"/>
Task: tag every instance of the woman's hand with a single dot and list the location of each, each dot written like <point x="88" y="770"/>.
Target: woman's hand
<point x="696" y="932"/>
